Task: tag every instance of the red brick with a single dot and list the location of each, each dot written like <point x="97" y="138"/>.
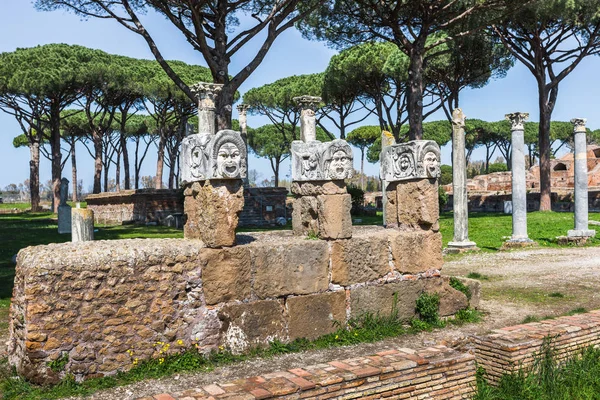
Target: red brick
<point x="303" y="383"/>
<point x="261" y="393"/>
<point x="300" y="372"/>
<point x="369" y="371"/>
<point x="164" y="396"/>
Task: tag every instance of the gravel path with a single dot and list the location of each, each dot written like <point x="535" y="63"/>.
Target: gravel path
<point x="535" y="282"/>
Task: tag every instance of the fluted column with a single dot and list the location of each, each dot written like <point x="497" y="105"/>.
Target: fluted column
<point x="206" y="92"/>
<point x="308" y="121"/>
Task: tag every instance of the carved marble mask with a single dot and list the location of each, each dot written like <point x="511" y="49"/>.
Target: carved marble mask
<point x="199" y="158"/>
<point x="340" y="164"/>
<point x="431" y="165"/>
<point x="406" y="165"/>
<point x="228" y="161"/>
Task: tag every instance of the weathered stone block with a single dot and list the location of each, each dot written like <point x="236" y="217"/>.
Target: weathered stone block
<point x="335" y="221"/>
<point x="253" y="324"/>
<point x="305" y="216"/>
<point x="299" y="267"/>
<point x="451" y="300"/>
<point x="226" y="274"/>
<point x="391" y="206"/>
<point x="416" y="251"/>
<point x="212" y="209"/>
<point x="315" y="188"/>
<point x="314" y="316"/>
<point x="360" y="259"/>
<point x="475" y="286"/>
<point x="418" y="205"/>
<point x="316" y="161"/>
<point x="384" y="299"/>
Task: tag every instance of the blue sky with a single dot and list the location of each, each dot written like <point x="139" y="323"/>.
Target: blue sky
<point x="22" y="26"/>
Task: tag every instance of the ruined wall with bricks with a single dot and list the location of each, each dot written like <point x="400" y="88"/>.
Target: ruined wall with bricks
<point x="93" y="301"/>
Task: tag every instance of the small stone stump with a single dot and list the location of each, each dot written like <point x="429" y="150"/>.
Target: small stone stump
<point x="64" y="210"/>
<point x="213" y="167"/>
<point x="322" y="204"/>
<point x="82" y="224"/>
<point x="410" y="171"/>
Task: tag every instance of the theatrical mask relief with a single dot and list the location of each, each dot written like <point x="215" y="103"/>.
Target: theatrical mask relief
<point x="316" y="161"/>
<point x="220" y="156"/>
<point x="414" y="160"/>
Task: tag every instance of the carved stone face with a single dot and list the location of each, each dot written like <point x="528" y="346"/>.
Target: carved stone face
<point x="309" y="165"/>
<point x="228" y="161"/>
<point x="431" y="165"/>
<point x="340" y="164"/>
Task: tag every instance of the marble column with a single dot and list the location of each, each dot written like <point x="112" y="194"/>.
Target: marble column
<point x="243" y="120"/>
<point x="581" y="181"/>
<point x="82" y="228"/>
<point x="308" y="121"/>
<point x="460" y="199"/>
<point x="519" y="191"/>
<point x="206" y="92"/>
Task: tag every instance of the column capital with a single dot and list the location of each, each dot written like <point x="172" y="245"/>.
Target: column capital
<point x="458" y="118"/>
<point x="579" y="124"/>
<point x="308" y="102"/>
<point x="205" y="90"/>
<point x="242" y="108"/>
<point x="518" y="120"/>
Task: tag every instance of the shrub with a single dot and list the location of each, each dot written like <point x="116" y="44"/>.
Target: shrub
<point x="442" y="197"/>
<point x="446" y="176"/>
<point x="427" y="307"/>
<point x="358" y="199"/>
<point x="461" y="287"/>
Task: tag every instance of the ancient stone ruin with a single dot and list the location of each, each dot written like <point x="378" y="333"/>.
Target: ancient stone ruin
<point x="99" y="305"/>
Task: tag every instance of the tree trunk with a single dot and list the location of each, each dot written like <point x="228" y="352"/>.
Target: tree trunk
<point x="414" y="94"/>
<point x="362" y="168"/>
<point x="34" y="175"/>
<point x="118" y="172"/>
<point x="97" y="139"/>
<point x="56" y="152"/>
<point x="125" y="153"/>
<point x="277" y="165"/>
<point x="223" y="105"/>
<point x="74" y="173"/>
<point x="545" y="170"/>
<point x="160" y="162"/>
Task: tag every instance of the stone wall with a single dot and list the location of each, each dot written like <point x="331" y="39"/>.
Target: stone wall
<point x="433" y="373"/>
<point x="138" y="205"/>
<point x="91" y="302"/>
<point x="508" y="349"/>
<point x="262" y="206"/>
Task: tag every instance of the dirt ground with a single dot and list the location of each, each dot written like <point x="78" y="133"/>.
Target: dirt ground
<point x="539" y="282"/>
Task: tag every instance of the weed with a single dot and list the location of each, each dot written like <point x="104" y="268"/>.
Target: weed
<point x="312" y="235"/>
<point x="578" y="310"/>
<point x="60" y="363"/>
<point x="467" y="315"/>
<point x="477" y="275"/>
<point x="558" y="295"/>
<point x="427" y="307"/>
<point x="530" y="318"/>
<point x="461" y="287"/>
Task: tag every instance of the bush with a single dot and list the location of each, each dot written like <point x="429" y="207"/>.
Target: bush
<point x="428" y="306"/>
<point x="442" y="197"/>
<point x="497" y="167"/>
<point x="446" y="176"/>
<point x="461" y="287"/>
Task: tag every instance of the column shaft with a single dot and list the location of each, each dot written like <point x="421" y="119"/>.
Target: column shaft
<point x="519" y="192"/>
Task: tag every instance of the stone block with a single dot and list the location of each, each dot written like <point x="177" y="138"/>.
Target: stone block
<point x="316" y="161"/>
<point x="305" y="216"/>
<point x="313" y="316"/>
<point x="315" y="188"/>
<point x="475" y="286"/>
<point x="226" y="274"/>
<point x="299" y="267"/>
<point x="391" y="206"/>
<point x="252" y="324"/>
<point x="360" y="259"/>
<point x="451" y="300"/>
<point x="335" y="221"/>
<point x="416" y="251"/>
<point x="211" y="210"/>
<point x="384" y="299"/>
<point x="418" y="205"/>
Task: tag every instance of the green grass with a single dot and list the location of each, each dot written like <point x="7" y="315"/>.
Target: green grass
<point x="577" y="378"/>
<point x="527" y="295"/>
<point x="478" y="276"/>
<point x="18" y="206"/>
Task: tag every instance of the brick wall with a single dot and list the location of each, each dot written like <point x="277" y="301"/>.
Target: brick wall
<point x="95" y="300"/>
<point x="432" y="373"/>
<point x="508" y="349"/>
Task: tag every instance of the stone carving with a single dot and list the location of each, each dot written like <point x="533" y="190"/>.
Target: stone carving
<point x="458" y="118"/>
<point x="579" y="124"/>
<point x="308" y="124"/>
<point x="316" y="161"/>
<point x="205" y="156"/>
<point x="518" y="120"/>
<point x="413" y="160"/>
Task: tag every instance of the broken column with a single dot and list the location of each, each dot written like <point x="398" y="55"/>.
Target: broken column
<point x="322" y="204"/>
<point x="243" y="120"/>
<point x="411" y="171"/>
<point x="64" y="210"/>
<point x="519" y="236"/>
<point x="213" y="167"/>
<point x="82" y="224"/>
<point x="581" y="182"/>
<point x="460" y="198"/>
<point x="387" y="139"/>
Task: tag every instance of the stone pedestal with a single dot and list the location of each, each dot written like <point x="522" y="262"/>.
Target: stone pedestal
<point x="413" y="205"/>
<point x="64" y="219"/>
<point x="212" y="211"/>
<point x="82" y="225"/>
<point x="581" y="182"/>
<point x="322" y="209"/>
<point x="519" y="236"/>
<point x="461" y="240"/>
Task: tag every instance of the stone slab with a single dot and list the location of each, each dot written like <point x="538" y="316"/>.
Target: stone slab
<point x="360" y="259"/>
<point x="335" y="221"/>
<point x="384" y="299"/>
<point x="315" y="188"/>
<point x="418" y="205"/>
<point x="581" y="233"/>
<point x="226" y="274"/>
<point x="416" y="251"/>
<point x="315" y="315"/>
<point x="64" y="219"/>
